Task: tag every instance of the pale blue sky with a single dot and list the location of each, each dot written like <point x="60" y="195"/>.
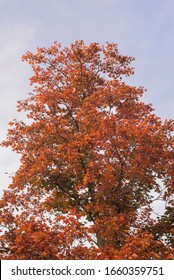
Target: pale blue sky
<point x="143" y="29"/>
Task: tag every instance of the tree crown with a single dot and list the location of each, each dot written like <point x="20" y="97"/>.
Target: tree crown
<point x="90" y="159"/>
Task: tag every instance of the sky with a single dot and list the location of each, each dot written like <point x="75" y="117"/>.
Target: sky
<point x="142" y="29"/>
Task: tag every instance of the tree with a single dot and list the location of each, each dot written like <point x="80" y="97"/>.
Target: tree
<point x="94" y="157"/>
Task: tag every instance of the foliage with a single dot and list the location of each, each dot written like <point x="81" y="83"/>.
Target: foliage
<point x="92" y="155"/>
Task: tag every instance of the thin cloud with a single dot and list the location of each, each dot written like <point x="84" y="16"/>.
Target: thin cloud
<point x="13" y="86"/>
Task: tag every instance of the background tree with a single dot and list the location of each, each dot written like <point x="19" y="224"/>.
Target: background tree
<point x="93" y="158"/>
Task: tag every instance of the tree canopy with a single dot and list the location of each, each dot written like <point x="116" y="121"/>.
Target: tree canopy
<point x="94" y="157"/>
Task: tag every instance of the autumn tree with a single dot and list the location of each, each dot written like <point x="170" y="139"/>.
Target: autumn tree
<point x="94" y="157"/>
